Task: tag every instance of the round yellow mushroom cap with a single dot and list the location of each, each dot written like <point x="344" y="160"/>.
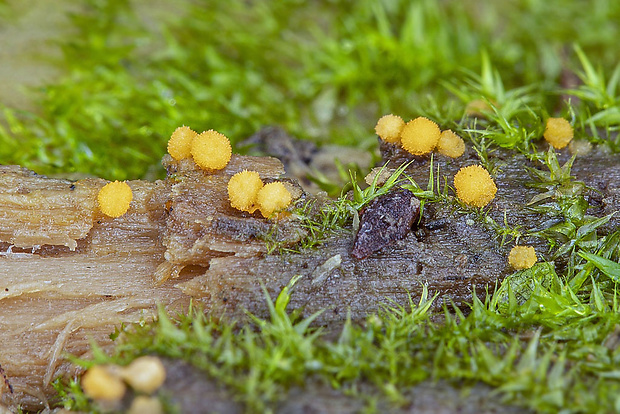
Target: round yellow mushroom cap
<point x="101" y="383"/>
<point x="273" y="197"/>
<point x="243" y="188"/>
<point x="180" y="143"/>
<point x="522" y="257"/>
<point x="474" y="186"/>
<point x="558" y="132"/>
<point x="114" y="198"/>
<point x="211" y="150"/>
<point x="450" y="144"/>
<point x="420" y="136"/>
<point x="389" y="127"/>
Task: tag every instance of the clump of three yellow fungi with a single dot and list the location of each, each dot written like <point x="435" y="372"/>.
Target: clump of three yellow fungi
<point x="558" y="132"/>
<point x="114" y="198"/>
<point x="246" y="192"/>
<point x="210" y="150"/>
<point x="419" y="136"/>
<point x="522" y="257"/>
<point x="474" y="186"/>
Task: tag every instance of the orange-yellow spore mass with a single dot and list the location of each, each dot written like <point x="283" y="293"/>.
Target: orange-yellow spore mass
<point x="180" y="143"/>
<point x="558" y="132"/>
<point x="273" y="197"/>
<point x="243" y="188"/>
<point x="420" y="136"/>
<point x="474" y="186"/>
<point x="389" y="127"/>
<point x="450" y="144"/>
<point x="114" y="198"/>
<point x="522" y="257"/>
<point x="211" y="150"/>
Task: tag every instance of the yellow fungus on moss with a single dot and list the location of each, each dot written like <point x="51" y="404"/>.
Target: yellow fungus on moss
<point x="243" y="188"/>
<point x="558" y="132"/>
<point x="211" y="150"/>
<point x="522" y="257"/>
<point x="450" y="144"/>
<point x="389" y="127"/>
<point x="474" y="186"/>
<point x="420" y="136"/>
<point x="145" y="374"/>
<point x="180" y="143"/>
<point x="100" y="383"/>
<point x="114" y="198"/>
<point x="273" y="197"/>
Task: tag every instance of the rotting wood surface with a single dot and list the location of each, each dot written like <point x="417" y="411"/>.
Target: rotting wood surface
<point x="71" y="274"/>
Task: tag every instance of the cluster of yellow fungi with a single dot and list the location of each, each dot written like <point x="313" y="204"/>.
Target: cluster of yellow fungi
<point x="211" y="150"/>
<point x="108" y="383"/>
<point x="522" y="257"/>
<point x="419" y="136"/>
<point x="558" y="132"/>
<point x="247" y="192"/>
<point x="114" y="198"/>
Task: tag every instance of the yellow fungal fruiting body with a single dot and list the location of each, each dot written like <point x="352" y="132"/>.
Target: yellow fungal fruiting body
<point x="180" y="143"/>
<point x="450" y="144"/>
<point x="211" y="150"/>
<point x="558" y="132"/>
<point x="420" y="136"/>
<point x="243" y="188"/>
<point x="474" y="186"/>
<point x="101" y="384"/>
<point x="522" y="257"/>
<point x="114" y="198"/>
<point x="145" y="374"/>
<point x="273" y="197"/>
<point x="389" y="127"/>
<point x="145" y="405"/>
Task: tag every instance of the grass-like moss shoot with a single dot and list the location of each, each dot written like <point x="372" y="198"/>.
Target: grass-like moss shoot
<point x="243" y="188"/>
<point x="273" y="197"/>
<point x="558" y="132"/>
<point x="114" y="198"/>
<point x="180" y="143"/>
<point x="211" y="150"/>
<point x="474" y="186"/>
<point x="389" y="128"/>
<point x="420" y="136"/>
<point x="522" y="257"/>
<point x="450" y="144"/>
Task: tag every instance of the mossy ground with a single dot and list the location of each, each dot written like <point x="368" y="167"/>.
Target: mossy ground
<point x="326" y="71"/>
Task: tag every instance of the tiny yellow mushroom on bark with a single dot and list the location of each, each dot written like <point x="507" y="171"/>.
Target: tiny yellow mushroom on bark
<point x="522" y="257"/>
<point x="389" y="128"/>
<point x="100" y="383"/>
<point x="243" y="188"/>
<point x="146" y="405"/>
<point x="145" y="374"/>
<point x="211" y="150"/>
<point x="420" y="136"/>
<point x="273" y="197"/>
<point x="474" y="186"/>
<point x="180" y="143"/>
<point x="450" y="144"/>
<point x="114" y="198"/>
<point x="558" y="132"/>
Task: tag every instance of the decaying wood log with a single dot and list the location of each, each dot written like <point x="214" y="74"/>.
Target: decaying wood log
<point x="70" y="274"/>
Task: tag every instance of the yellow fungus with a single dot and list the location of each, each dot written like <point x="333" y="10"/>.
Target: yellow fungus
<point x="145" y="374"/>
<point x="146" y="405"/>
<point x="243" y="188"/>
<point x="101" y="383"/>
<point x="450" y="144"/>
<point x="211" y="150"/>
<point x="273" y="197"/>
<point x="180" y="143"/>
<point x="522" y="257"/>
<point x="558" y="132"/>
<point x="114" y="198"/>
<point x="420" y="136"/>
<point x="474" y="186"/>
<point x="389" y="127"/>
